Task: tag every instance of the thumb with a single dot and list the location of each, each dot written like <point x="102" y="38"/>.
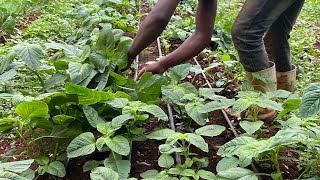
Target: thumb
<point x="141" y="72"/>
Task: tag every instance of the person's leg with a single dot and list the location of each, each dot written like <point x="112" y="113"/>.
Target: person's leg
<point x="276" y="39"/>
<point x="254" y="19"/>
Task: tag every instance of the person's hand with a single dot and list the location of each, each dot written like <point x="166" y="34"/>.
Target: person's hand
<point x="155" y="68"/>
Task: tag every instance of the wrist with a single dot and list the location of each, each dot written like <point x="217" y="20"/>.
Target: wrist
<point x="164" y="64"/>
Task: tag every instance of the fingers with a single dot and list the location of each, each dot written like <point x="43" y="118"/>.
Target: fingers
<point x="141" y="72"/>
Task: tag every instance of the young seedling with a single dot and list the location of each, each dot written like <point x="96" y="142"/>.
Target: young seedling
<point x="184" y="142"/>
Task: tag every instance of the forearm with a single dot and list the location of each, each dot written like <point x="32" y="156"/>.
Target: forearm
<point x="189" y="49"/>
<point x="206" y="13"/>
<point x="153" y="25"/>
<point x="149" y="30"/>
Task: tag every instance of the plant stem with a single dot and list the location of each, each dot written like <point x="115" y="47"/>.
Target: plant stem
<point x="262" y="174"/>
<point x="129" y="89"/>
<point x="304" y="172"/>
<point x="55" y="151"/>
<point x="39" y="77"/>
<point x="26" y="144"/>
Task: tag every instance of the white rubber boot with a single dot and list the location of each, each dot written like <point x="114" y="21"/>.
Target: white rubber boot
<point x="286" y="80"/>
<point x="264" y="114"/>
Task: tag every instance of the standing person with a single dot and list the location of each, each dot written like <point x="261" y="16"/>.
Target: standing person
<point x="269" y="58"/>
<point x="155" y="23"/>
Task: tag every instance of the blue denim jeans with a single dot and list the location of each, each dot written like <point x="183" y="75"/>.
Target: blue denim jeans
<point x="261" y="31"/>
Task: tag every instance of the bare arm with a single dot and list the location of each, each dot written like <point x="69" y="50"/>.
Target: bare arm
<point x="201" y="38"/>
<point x="153" y="25"/>
<point x="205" y="17"/>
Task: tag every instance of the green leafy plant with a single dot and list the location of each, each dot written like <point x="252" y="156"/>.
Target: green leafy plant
<point x="184" y="142"/>
<point x="253" y="101"/>
<point x="17" y="170"/>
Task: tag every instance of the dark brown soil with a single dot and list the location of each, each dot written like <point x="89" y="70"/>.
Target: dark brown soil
<point x="317" y="45"/>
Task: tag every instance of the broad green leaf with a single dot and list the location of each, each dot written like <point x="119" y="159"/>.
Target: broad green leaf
<point x="6" y="61"/>
<point x="174" y="93"/>
<point x="124" y="44"/>
<point x="149" y="87"/>
<point x="92" y="116"/>
<point x="31" y="54"/>
<point x="173" y="138"/>
<point x="118" y="144"/>
<point x="100" y="61"/>
<point x="165" y="161"/>
<point x="168" y="149"/>
<point x="149" y="174"/>
<point x="62" y="119"/>
<point x="229" y="148"/>
<point x="288" y="136"/>
<point x="288" y="106"/>
<point x="82" y="145"/>
<point x="57" y="78"/>
<point x="103" y="80"/>
<point x="188" y="172"/>
<point x="106" y="41"/>
<point x="103" y="173"/>
<point x="88" y="79"/>
<point x="161" y="134"/>
<point x="79" y="72"/>
<point x="56" y="168"/>
<point x="5" y="77"/>
<point x="240" y="105"/>
<point x="88" y="96"/>
<point x="118" y="102"/>
<point x="43" y="160"/>
<point x="179" y="72"/>
<point x="216" y="105"/>
<point x="16" y="166"/>
<point x="249" y="177"/>
<point x="310" y="104"/>
<point x="122" y="167"/>
<point x="117" y="33"/>
<point x="118" y="79"/>
<point x="270" y="104"/>
<point x="197" y="141"/>
<point x="251" y="127"/>
<point x="107" y="128"/>
<point x="121" y="119"/>
<point x="210" y="130"/>
<point x="90" y="165"/>
<point x="206" y="174"/>
<point x="29" y="174"/>
<point x="277" y="94"/>
<point x="193" y="111"/>
<point x="155" y="110"/>
<point x="209" y="92"/>
<point x="235" y="173"/>
<point x="119" y="59"/>
<point x="116" y="1"/>
<point x="69" y="50"/>
<point x="227" y="163"/>
<point x="12" y="176"/>
<point x="28" y="110"/>
<point x="41" y="123"/>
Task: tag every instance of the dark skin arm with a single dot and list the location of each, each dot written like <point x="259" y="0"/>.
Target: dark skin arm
<point x="205" y="16"/>
<point x="152" y="27"/>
